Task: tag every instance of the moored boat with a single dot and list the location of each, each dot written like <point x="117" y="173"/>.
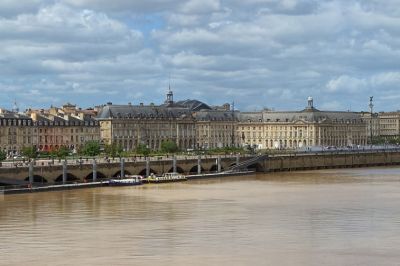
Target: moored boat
<point x="165" y="178"/>
<point x="129" y="180"/>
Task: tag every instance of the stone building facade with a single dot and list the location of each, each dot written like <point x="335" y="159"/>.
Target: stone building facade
<point x="389" y="124"/>
<point x="215" y="126"/>
<point x="131" y="125"/>
<point x="58" y="127"/>
<point x="16" y="131"/>
<point x="309" y="127"/>
<point x="195" y="125"/>
<point x="191" y="124"/>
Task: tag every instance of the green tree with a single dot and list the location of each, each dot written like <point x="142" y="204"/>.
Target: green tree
<point x="29" y="152"/>
<point x="169" y="146"/>
<point x="62" y="152"/>
<point x="142" y="149"/>
<point x="91" y="148"/>
<point x="113" y="150"/>
<point x="3" y="155"/>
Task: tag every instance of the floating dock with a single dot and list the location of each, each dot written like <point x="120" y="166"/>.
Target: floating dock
<point x="19" y="190"/>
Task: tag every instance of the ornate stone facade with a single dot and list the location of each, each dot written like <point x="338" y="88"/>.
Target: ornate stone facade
<point x="131" y="125"/>
<point x="193" y="124"/>
<point x="309" y="127"/>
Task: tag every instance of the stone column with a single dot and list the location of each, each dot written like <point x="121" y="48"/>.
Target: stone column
<point x="237" y="159"/>
<point x="174" y="164"/>
<point x="94" y="170"/>
<point x="147" y="166"/>
<point x="31" y="172"/>
<point x="122" y="167"/>
<point x="199" y="165"/>
<point x="219" y="163"/>
<point x="64" y="172"/>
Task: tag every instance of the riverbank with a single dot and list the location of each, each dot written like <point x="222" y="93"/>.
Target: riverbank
<point x="259" y="163"/>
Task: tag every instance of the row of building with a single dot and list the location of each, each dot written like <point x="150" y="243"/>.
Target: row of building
<point x="191" y="124"/>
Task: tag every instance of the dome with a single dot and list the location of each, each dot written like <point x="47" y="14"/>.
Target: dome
<point x="194" y="105"/>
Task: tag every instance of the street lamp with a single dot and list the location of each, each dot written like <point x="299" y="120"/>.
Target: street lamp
<point x="371" y="106"/>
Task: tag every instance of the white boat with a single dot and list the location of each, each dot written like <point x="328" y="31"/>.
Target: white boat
<point x="129" y="180"/>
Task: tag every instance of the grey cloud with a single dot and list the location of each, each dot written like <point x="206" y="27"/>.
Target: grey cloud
<point x="258" y="53"/>
<point x="9" y="8"/>
<point x="125" y="5"/>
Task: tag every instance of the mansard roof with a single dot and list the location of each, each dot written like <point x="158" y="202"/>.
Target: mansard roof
<point x="216" y="115"/>
<point x="143" y="112"/>
<point x="251" y="117"/>
<point x="307" y="115"/>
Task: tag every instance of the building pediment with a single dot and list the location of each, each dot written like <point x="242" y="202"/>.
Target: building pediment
<point x="300" y="122"/>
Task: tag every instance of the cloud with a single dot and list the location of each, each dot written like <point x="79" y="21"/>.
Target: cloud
<point x="125" y="5"/>
<point x="200" y="6"/>
<point x="9" y="8"/>
<point x="346" y="84"/>
<point x="257" y="52"/>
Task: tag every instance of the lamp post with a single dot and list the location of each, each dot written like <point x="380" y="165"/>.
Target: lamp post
<point x="233" y="125"/>
<point x="371" y="106"/>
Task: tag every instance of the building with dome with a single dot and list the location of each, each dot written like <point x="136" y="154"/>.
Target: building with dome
<point x="131" y="125"/>
<point x="193" y="124"/>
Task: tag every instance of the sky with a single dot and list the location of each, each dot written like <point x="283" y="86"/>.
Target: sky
<point x="255" y="53"/>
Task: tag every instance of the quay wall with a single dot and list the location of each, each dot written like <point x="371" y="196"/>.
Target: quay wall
<point x="288" y="162"/>
<point x="295" y="162"/>
<point x="84" y="171"/>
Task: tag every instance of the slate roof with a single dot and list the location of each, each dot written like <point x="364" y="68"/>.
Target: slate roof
<point x="307" y="115"/>
<point x="143" y="112"/>
<point x="216" y="115"/>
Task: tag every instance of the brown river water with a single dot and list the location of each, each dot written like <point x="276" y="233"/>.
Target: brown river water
<point x="326" y="217"/>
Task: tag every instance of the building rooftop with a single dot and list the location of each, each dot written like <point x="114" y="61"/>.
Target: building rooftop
<point x="143" y="112"/>
<point x="193" y="105"/>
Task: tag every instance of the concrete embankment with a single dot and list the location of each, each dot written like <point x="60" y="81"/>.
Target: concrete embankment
<point x="189" y="166"/>
<point x="293" y="162"/>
